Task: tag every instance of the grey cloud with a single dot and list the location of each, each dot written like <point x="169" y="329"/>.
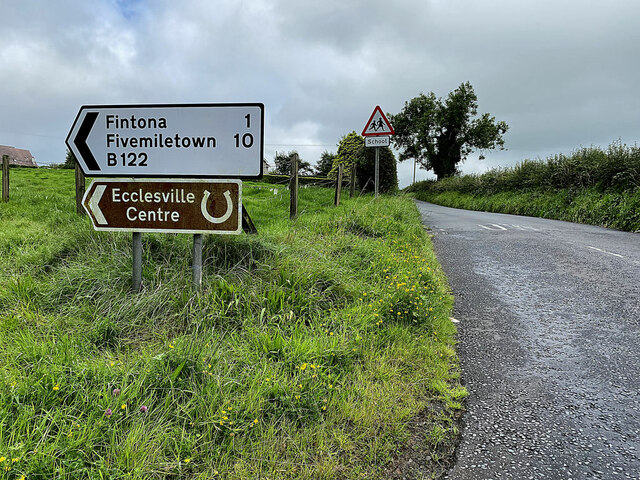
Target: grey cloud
<point x="561" y="74"/>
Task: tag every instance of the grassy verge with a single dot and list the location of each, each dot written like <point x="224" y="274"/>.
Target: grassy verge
<point x="306" y="354"/>
<point x="591" y="185"/>
<point x="620" y="210"/>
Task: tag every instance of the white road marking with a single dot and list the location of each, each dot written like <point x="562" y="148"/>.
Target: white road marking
<point x="499" y="227"/>
<point x="604" y="251"/>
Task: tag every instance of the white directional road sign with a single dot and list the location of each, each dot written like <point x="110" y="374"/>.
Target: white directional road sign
<point x="192" y="140"/>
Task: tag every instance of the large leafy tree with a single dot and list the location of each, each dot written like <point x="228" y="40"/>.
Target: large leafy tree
<point x="440" y="133"/>
<point x="283" y="164"/>
<point x="324" y="165"/>
<point x="388" y="170"/>
<point x="69" y="160"/>
<point x="351" y="151"/>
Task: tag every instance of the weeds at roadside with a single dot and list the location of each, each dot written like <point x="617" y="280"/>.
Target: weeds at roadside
<point x="305" y="354"/>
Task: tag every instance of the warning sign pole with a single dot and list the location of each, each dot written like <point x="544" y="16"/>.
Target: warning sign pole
<point x="377" y="127"/>
<point x="377" y="174"/>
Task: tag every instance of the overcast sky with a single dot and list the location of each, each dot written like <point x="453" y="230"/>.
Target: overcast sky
<point x="561" y="73"/>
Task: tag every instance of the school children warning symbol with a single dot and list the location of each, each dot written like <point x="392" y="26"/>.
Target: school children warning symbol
<point x="377" y="124"/>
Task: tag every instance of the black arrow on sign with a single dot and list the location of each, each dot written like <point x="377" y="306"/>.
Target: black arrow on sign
<point x="81" y="140"/>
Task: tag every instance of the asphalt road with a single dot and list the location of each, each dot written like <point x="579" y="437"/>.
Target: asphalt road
<point x="549" y="342"/>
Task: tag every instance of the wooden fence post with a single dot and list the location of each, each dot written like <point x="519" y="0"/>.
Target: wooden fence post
<point x="5" y="178"/>
<point x="336" y="201"/>
<point x="293" y="187"/>
<point x="80" y="184"/>
<point x="352" y="183"/>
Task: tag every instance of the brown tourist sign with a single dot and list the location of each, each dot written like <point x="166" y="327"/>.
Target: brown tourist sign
<point x="157" y="205"/>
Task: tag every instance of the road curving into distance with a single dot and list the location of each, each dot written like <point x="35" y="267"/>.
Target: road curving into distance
<point x="549" y="343"/>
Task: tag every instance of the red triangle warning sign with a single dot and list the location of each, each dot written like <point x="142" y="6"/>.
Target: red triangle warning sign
<point x="377" y="124"/>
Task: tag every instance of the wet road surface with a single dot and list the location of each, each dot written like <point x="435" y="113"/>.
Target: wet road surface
<point x="549" y="342"/>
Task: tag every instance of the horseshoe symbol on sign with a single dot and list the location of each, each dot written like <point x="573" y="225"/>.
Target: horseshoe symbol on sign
<point x="211" y="218"/>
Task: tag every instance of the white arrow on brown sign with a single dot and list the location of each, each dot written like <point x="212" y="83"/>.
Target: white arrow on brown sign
<point x="158" y="205"/>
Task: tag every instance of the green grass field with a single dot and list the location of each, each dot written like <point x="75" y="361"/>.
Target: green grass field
<point x="305" y="355"/>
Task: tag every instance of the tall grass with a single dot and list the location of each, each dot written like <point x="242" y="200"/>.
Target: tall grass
<point x="308" y="350"/>
<point x="591" y="185"/>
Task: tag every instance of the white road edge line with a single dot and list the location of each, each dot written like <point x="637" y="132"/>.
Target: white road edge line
<point x="604" y="251"/>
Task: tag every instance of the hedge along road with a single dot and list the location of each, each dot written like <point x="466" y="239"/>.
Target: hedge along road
<point x="549" y="342"/>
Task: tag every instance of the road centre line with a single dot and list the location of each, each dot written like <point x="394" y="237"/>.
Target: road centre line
<point x="499" y="227"/>
<point x="604" y="251"/>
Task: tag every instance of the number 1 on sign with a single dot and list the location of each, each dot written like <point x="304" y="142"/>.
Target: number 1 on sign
<point x="247" y="138"/>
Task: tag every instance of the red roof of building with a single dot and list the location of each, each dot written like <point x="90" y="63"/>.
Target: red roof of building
<point x="18" y="156"/>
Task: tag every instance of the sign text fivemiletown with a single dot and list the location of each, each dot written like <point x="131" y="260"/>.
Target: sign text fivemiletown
<point x="196" y="140"/>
